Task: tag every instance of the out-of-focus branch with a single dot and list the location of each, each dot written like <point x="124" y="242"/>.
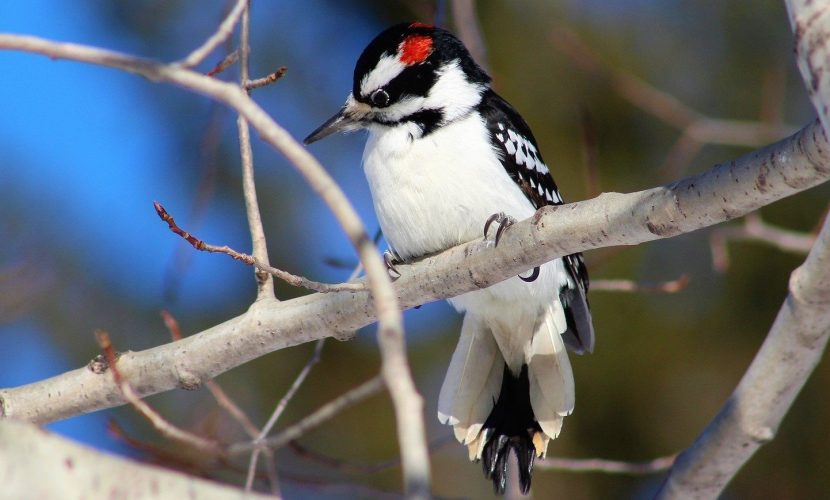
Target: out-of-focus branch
<point x="672" y="286"/>
<point x="218" y="38"/>
<point x="225" y="63"/>
<point x="266" y="80"/>
<point x="606" y="466"/>
<point x="160" y="423"/>
<point x="230" y="406"/>
<point x="756" y="229"/>
<point x="38" y="464"/>
<point x="469" y="30"/>
<point x="260" y="436"/>
<point x="798" y="337"/>
<point x="315" y="419"/>
<point x="665" y="107"/>
<point x="696" y="129"/>
<point x="292" y="279"/>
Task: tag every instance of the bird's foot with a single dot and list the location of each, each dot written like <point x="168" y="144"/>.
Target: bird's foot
<point x="504" y="221"/>
<point x="390" y="258"/>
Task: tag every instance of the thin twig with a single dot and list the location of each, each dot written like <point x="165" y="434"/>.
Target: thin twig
<point x="607" y="466"/>
<point x="663" y="105"/>
<point x="228" y="405"/>
<point x="224" y="63"/>
<point x="315" y="419"/>
<point x="266" y="80"/>
<point x="163" y="426"/>
<point x="275" y="415"/>
<point x="360" y="468"/>
<point x="223" y="33"/>
<point x="265" y="280"/>
<point x="672" y="286"/>
<point x="590" y="153"/>
<point x="218" y="393"/>
<point x="469" y="30"/>
<point x="292" y="279"/>
<point x="755" y="229"/>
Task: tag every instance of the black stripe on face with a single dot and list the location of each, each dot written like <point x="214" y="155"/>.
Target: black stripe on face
<point x="427" y="119"/>
<point x="413" y="81"/>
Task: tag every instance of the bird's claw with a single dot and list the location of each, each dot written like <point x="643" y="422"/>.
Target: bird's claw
<point x="504" y="222"/>
<point x="390" y="259"/>
<point x="533" y="275"/>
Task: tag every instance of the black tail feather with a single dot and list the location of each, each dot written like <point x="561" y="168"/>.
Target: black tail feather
<point x="510" y="426"/>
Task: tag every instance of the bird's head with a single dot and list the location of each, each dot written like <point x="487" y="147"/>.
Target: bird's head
<point x="412" y="73"/>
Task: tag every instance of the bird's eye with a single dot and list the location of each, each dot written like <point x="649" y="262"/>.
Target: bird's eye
<point x="380" y="98"/>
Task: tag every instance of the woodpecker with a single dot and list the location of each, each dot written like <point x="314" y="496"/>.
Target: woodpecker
<point x="445" y="156"/>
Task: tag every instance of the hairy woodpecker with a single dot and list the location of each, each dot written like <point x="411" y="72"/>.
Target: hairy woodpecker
<point x="444" y="154"/>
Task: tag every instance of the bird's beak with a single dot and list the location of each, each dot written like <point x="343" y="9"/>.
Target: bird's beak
<point x="347" y="119"/>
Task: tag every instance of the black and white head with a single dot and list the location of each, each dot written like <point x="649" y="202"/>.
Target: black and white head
<point x="413" y="74"/>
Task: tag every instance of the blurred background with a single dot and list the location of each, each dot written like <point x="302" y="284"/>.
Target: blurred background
<point x="621" y="95"/>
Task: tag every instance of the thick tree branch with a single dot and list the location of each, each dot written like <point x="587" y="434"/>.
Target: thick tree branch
<point x="726" y="191"/>
<point x="38" y="464"/>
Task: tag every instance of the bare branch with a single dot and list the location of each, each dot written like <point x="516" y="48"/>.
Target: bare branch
<point x="607" y="466"/>
<point x="798" y="337"/>
<point x="224" y="63"/>
<point x="726" y="192"/>
<point x="289" y="278"/>
<point x="266" y="80"/>
<point x="672" y="286"/>
<point x="258" y="437"/>
<point x="746" y="184"/>
<point x="469" y="30"/>
<point x="318" y="417"/>
<point x="228" y="405"/>
<point x="265" y="280"/>
<point x="163" y="426"/>
<point x="665" y="107"/>
<point x="406" y="400"/>
<point x="360" y="468"/>
<point x="756" y="229"/>
<point x="222" y="34"/>
<point x="39" y="464"/>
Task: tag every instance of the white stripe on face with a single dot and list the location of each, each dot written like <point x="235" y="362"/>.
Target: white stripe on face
<point x="384" y="72"/>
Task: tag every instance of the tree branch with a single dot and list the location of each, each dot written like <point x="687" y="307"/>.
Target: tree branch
<point x="798" y="337"/>
<point x="37" y="464"/>
<point x="752" y="181"/>
<point x="395" y="368"/>
<point x="723" y="193"/>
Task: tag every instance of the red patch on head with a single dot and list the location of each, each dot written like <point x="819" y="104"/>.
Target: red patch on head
<point x="415" y="49"/>
<point x="416" y="24"/>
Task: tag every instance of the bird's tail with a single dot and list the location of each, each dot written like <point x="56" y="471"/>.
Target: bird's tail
<point x="494" y="410"/>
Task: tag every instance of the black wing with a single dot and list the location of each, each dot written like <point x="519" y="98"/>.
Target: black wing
<point x="514" y="142"/>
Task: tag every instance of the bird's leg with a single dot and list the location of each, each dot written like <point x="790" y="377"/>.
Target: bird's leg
<point x="504" y="222"/>
<point x="390" y="258"/>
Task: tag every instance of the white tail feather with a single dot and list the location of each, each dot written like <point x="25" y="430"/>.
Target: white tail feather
<point x="549" y="371"/>
<point x="472" y="382"/>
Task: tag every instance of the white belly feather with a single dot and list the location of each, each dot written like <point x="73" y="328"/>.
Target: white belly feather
<point x="436" y="192"/>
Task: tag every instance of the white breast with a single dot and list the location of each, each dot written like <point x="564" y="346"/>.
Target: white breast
<point x="435" y="192"/>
